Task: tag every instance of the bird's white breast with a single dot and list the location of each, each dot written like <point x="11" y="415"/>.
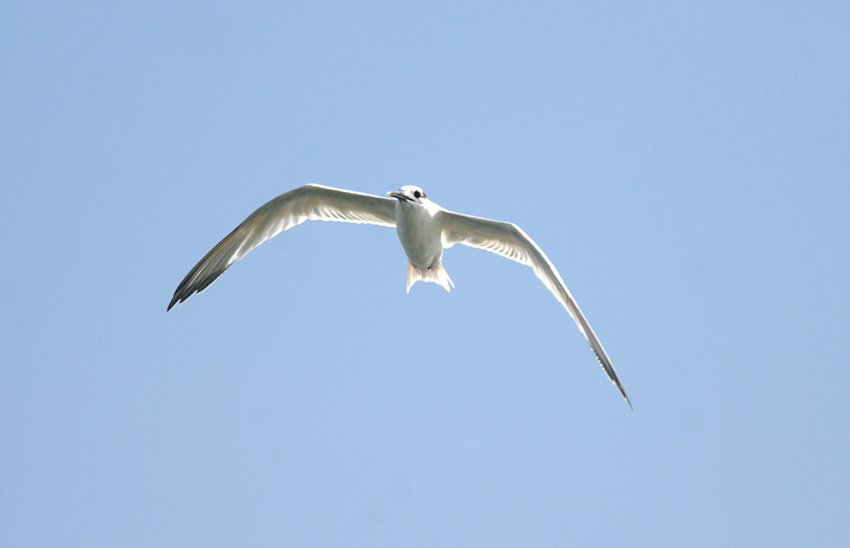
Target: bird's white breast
<point x="420" y="233"/>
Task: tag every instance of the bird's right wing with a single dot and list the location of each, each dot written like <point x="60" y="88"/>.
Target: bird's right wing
<point x="308" y="202"/>
<point x="508" y="240"/>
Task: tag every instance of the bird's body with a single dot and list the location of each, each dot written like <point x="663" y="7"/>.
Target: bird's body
<point x="419" y="232"/>
<point x="424" y="230"/>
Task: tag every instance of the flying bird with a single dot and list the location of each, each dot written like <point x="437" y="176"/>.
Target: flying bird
<point x="423" y="227"/>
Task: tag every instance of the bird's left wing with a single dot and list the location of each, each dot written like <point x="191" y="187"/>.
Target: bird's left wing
<point x="508" y="240"/>
<point x="308" y="202"/>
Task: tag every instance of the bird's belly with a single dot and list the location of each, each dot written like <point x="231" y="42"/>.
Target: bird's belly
<point x="421" y="240"/>
<point x="422" y="254"/>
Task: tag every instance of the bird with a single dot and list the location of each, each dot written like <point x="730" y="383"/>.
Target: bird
<point x="424" y="229"/>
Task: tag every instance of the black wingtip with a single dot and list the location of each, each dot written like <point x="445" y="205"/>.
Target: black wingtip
<point x="619" y="385"/>
<point x="614" y="378"/>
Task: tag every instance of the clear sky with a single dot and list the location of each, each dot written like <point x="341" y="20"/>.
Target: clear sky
<point x="684" y="165"/>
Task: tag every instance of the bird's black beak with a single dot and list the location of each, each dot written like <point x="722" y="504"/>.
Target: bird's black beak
<point x="400" y="196"/>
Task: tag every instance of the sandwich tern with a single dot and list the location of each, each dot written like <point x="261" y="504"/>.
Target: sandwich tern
<point x="423" y="227"/>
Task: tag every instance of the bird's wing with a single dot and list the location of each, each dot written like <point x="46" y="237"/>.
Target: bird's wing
<point x="308" y="202"/>
<point x="508" y="240"/>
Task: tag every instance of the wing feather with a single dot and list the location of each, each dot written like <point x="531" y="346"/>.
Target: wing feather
<point x="509" y="240"/>
<point x="308" y="202"/>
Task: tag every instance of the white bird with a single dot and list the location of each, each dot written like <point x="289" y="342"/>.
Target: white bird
<point x="424" y="229"/>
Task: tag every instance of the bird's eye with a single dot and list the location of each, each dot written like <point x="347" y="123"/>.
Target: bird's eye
<point x="417" y="194"/>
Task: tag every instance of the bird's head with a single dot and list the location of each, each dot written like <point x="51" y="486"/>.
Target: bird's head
<point x="409" y="194"/>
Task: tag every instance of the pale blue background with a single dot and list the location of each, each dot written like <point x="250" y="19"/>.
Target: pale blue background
<point x="685" y="167"/>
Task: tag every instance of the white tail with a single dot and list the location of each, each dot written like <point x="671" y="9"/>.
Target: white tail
<point x="437" y="275"/>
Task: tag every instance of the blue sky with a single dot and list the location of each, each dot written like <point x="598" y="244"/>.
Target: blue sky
<point x="685" y="167"/>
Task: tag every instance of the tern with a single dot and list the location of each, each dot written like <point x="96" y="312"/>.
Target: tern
<point x="424" y="228"/>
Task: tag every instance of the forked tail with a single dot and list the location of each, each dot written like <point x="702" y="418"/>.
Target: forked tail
<point x="437" y="275"/>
